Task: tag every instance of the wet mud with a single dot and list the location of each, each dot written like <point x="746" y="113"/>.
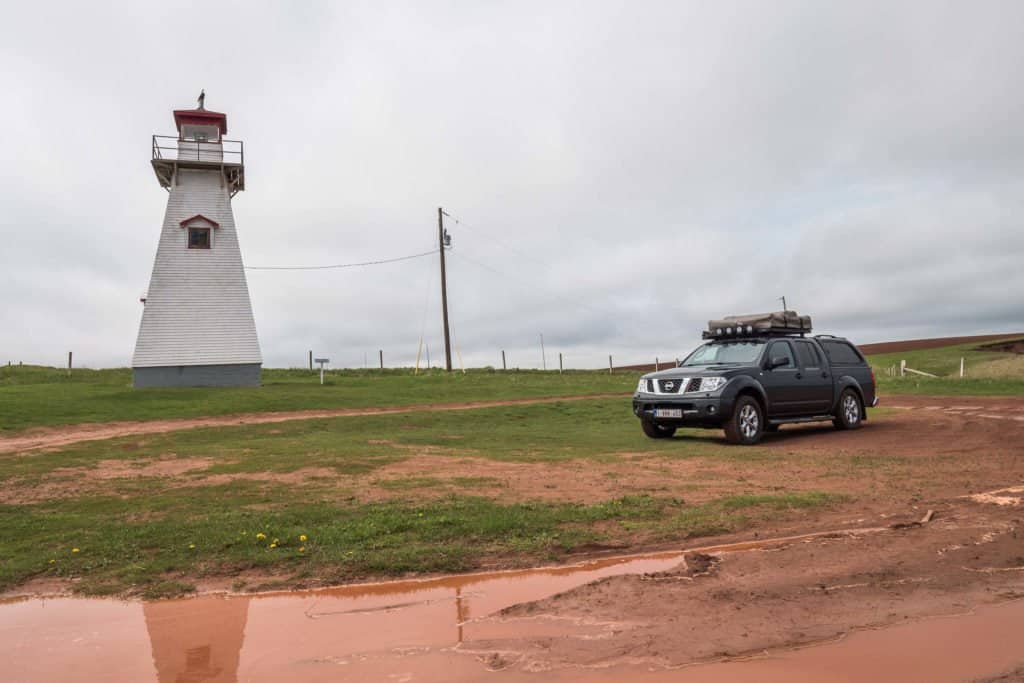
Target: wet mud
<point x="877" y="602"/>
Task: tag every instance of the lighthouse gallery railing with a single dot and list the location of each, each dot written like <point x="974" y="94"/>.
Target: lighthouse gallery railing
<point x="171" y="148"/>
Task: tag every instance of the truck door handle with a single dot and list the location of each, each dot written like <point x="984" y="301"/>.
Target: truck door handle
<point x="825" y="375"/>
<point x="799" y="376"/>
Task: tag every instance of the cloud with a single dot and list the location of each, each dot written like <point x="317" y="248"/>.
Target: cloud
<point x="621" y="172"/>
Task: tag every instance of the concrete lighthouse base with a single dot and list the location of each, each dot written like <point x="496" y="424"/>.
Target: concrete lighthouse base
<point x="236" y="375"/>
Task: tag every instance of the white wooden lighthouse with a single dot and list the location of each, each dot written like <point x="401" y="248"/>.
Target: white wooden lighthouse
<point x="197" y="326"/>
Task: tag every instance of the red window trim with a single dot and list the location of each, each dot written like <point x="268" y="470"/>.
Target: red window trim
<point x="185" y="223"/>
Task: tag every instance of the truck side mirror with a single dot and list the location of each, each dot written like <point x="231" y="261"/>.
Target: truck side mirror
<point x="778" y="362"/>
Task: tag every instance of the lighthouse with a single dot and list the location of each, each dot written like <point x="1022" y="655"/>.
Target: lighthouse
<point x="197" y="325"/>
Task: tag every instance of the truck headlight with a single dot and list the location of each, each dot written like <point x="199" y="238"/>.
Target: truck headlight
<point x="642" y="386"/>
<point x="712" y="383"/>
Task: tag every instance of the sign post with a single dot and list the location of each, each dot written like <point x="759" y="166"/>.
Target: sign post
<point x="322" y="362"/>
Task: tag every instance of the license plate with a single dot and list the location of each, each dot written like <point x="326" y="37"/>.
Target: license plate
<point x="668" y="412"/>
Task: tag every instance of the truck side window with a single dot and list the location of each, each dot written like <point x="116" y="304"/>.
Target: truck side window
<point x="808" y="355"/>
<point x="781" y="348"/>
<point x="841" y="353"/>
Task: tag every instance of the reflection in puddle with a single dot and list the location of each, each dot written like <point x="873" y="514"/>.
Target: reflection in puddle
<point x="404" y="630"/>
<point x="358" y="632"/>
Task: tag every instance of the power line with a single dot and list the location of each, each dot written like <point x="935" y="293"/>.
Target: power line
<point x="344" y="265"/>
<point x="494" y="237"/>
<point x="461" y="255"/>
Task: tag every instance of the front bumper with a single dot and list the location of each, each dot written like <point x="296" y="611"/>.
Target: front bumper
<point x="697" y="411"/>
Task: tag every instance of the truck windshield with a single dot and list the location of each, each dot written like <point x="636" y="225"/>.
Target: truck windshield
<point x="731" y="353"/>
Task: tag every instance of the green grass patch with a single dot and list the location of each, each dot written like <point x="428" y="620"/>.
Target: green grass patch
<point x="987" y="373"/>
<point x="157" y="545"/>
<point x="410" y="483"/>
<point x="599" y="430"/>
<point x="33" y="396"/>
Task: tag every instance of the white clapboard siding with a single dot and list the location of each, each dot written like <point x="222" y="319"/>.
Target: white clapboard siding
<point x="197" y="309"/>
<point x="190" y="150"/>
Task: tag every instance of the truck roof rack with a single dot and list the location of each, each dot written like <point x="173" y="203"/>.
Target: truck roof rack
<point x="776" y="324"/>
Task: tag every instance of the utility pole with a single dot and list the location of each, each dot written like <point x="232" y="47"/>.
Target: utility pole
<point x="783" y="303"/>
<point x="444" y="288"/>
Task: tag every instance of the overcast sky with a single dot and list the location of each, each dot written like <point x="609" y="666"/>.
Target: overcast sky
<point x="621" y="171"/>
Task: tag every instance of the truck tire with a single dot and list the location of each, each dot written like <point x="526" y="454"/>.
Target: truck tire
<point x="746" y="426"/>
<point x="656" y="431"/>
<point x="849" y="413"/>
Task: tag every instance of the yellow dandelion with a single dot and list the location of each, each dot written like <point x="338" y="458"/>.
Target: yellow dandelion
<point x="261" y="536"/>
<point x="302" y="549"/>
<point x="75" y="550"/>
<point x="276" y="541"/>
<point x="52" y="561"/>
<point x="272" y="546"/>
<point x="192" y="546"/>
<point x="303" y="537"/>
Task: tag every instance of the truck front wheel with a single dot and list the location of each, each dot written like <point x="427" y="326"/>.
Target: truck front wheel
<point x="747" y="422"/>
<point x="656" y="431"/>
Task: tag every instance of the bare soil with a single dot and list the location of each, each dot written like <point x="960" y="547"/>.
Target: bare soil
<point x="925" y="448"/>
<point x="1013" y="346"/>
<point x="715" y="606"/>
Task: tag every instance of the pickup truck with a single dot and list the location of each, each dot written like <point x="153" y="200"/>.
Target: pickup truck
<point x="751" y="382"/>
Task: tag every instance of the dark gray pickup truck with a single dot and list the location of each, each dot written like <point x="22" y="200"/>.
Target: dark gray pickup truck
<point x="748" y="380"/>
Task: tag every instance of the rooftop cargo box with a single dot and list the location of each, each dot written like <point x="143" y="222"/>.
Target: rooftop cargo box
<point x="778" y="322"/>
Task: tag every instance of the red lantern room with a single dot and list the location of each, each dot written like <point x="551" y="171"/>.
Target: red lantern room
<point x="200" y="143"/>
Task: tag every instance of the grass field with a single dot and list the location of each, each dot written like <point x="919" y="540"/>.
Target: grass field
<point x="331" y="500"/>
<point x="32" y="396"/>
<point x="313" y="502"/>
<point x="37" y="396"/>
<point x="991" y="373"/>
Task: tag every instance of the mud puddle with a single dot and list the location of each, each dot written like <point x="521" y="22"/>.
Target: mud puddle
<point x="431" y="630"/>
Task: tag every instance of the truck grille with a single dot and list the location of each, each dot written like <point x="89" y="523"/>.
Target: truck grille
<point x="671" y="386"/>
<point x="694" y="384"/>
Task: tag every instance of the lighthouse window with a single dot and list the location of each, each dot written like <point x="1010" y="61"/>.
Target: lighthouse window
<point x="199" y="133"/>
<point x="198" y="238"/>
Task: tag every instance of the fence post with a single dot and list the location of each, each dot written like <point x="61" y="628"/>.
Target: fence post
<point x="311" y="361"/>
<point x="382" y="359"/>
<point x="903" y="368"/>
<point x="610" y="365"/>
<point x="961" y="367"/>
<point x="559" y="362"/>
<point x="69" y="363"/>
<point x="656" y="368"/>
<point x="503" y="365"/>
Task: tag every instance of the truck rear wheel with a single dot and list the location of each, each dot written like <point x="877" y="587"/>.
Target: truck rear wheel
<point x="656" y="431"/>
<point x="747" y="422"/>
<point x="849" y="414"/>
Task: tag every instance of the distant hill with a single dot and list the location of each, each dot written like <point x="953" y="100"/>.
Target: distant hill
<point x="939" y="342"/>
